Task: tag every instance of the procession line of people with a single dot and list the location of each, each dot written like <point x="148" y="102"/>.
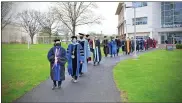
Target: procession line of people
<point x="78" y="54"/>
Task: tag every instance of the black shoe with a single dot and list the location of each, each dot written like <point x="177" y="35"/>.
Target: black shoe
<point x="81" y="74"/>
<point x="59" y="86"/>
<point x="94" y="63"/>
<point x="53" y="87"/>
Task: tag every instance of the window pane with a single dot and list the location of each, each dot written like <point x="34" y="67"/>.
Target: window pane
<point x="168" y="13"/>
<point x="166" y="3"/>
<point x="167" y="7"/>
<point x="177" y="18"/>
<point x="171" y="6"/>
<point x="144" y="3"/>
<point x="177" y="22"/>
<point x="162" y="3"/>
<point x="178" y="5"/>
<point x="139" y="4"/>
<point x="162" y="21"/>
<point x="168" y="19"/>
<point x="177" y="12"/>
<point x="162" y="8"/>
<point x="140" y="21"/>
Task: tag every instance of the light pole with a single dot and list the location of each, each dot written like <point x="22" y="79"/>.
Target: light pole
<point x="135" y="55"/>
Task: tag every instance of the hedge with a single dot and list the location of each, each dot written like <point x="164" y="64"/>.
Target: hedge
<point x="178" y="46"/>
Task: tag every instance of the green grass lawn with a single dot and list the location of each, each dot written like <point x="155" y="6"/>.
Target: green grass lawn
<point x="155" y="77"/>
<point x="23" y="68"/>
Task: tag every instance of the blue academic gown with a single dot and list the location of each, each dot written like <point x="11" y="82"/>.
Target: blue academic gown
<point x="97" y="52"/>
<point x="80" y="57"/>
<point x="112" y="47"/>
<point x="57" y="69"/>
<point x="86" y="49"/>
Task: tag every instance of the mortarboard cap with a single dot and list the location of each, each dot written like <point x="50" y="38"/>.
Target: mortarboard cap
<point x="87" y="35"/>
<point x="81" y="34"/>
<point x="57" y="40"/>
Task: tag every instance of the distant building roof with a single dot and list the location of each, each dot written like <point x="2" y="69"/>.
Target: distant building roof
<point x="120" y="5"/>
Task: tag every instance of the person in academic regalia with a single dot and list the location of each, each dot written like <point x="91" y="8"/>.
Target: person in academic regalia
<point x="154" y="43"/>
<point x="128" y="46"/>
<point x="137" y="45"/>
<point x="145" y="44"/>
<point x="105" y="43"/>
<point x="112" y="47"/>
<point x="148" y="43"/>
<point x="118" y="43"/>
<point x="123" y="45"/>
<point x="132" y="45"/>
<point x="86" y="49"/>
<point x="88" y="40"/>
<point x="141" y="44"/>
<point x="75" y="56"/>
<point x="96" y="51"/>
<point x="57" y="59"/>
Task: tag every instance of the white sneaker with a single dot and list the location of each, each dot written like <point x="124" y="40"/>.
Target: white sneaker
<point x="75" y="81"/>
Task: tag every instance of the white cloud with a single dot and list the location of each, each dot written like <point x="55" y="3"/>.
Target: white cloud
<point x="106" y="9"/>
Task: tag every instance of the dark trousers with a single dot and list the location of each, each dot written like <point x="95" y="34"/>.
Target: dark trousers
<point x="74" y="64"/>
<point x="117" y="50"/>
<point x="105" y="50"/>
<point x="80" y="70"/>
<point x="55" y="84"/>
<point x="132" y="48"/>
<point x="74" y="73"/>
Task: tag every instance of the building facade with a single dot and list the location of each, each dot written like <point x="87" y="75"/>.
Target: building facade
<point x="159" y="20"/>
<point x="120" y="13"/>
<point x="14" y="33"/>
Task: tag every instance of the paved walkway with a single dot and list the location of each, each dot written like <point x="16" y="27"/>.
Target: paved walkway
<point x="97" y="85"/>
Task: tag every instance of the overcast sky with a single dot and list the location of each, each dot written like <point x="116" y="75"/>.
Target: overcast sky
<point x="106" y="9"/>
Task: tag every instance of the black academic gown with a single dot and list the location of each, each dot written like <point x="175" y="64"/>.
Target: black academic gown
<point x="106" y="48"/>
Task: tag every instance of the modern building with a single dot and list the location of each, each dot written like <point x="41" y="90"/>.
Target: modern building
<point x="159" y="20"/>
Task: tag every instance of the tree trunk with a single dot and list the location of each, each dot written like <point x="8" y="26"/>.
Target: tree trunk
<point x="31" y="39"/>
<point x="73" y="30"/>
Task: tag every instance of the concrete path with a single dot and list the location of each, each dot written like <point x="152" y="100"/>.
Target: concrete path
<point x="97" y="85"/>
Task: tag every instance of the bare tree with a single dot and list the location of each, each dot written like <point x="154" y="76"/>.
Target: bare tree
<point x="29" y="22"/>
<point x="47" y="20"/>
<point x="63" y="29"/>
<point x="73" y="14"/>
<point x="6" y="15"/>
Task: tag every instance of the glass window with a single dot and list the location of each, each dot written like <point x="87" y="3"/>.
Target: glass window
<point x="166" y="3"/>
<point x="177" y="12"/>
<point x="177" y="18"/>
<point x="139" y="4"/>
<point x="168" y="18"/>
<point x="178" y="5"/>
<point x="162" y="20"/>
<point x="162" y="8"/>
<point x="167" y="7"/>
<point x="177" y="22"/>
<point x="144" y="3"/>
<point x="168" y="13"/>
<point x="162" y="3"/>
<point x="172" y="6"/>
<point x="140" y="21"/>
<point x="162" y="39"/>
